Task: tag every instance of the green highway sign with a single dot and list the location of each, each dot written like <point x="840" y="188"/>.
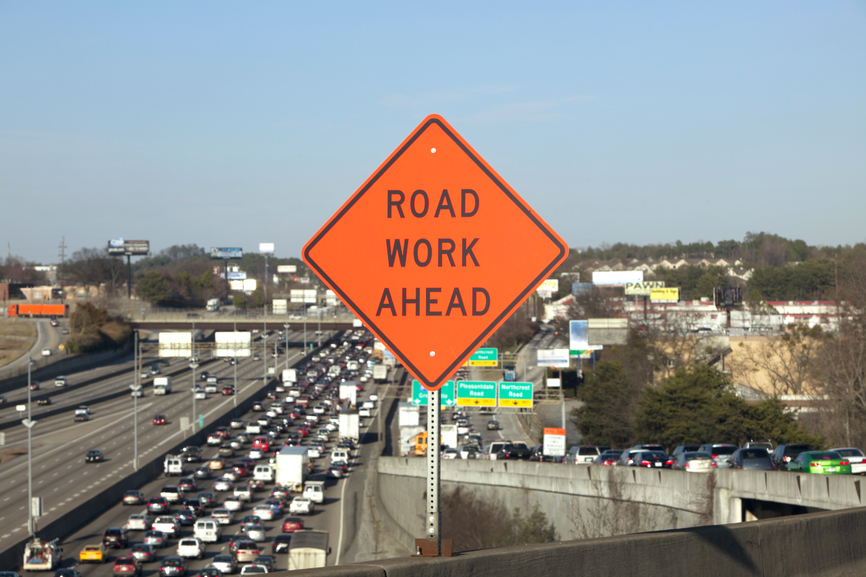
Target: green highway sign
<point x="484" y="358"/>
<point x="446" y="398"/>
<point x="476" y="393"/>
<point x="513" y="394"/>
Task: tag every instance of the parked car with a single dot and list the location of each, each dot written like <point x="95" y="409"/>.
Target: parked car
<point x="695" y="462"/>
<point x="820" y="462"/>
<point x="757" y="459"/>
<point x="784" y="454"/>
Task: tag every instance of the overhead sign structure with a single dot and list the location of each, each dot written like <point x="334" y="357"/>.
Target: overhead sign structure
<point x="434" y="252"/>
<point x="175" y="344"/>
<point x="307" y="296"/>
<point x="484" y="358"/>
<point x="643" y="289"/>
<point x="554" y="358"/>
<point x="554" y="442"/>
<point x="446" y="399"/>
<point x="232" y="344"/>
<point x="280" y="306"/>
<point x="515" y="394"/>
<point x="476" y="393"/>
<point x="227" y="253"/>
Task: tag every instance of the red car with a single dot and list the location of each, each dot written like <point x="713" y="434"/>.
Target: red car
<point x="127" y="566"/>
<point x="223" y="432"/>
<point x="262" y="443"/>
<point x="240" y="469"/>
<point x="228" y="390"/>
<point x="159" y="420"/>
<point x="292" y="524"/>
<point x="34" y="385"/>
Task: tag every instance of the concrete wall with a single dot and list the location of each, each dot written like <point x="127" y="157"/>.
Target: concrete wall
<point x="581" y="501"/>
<point x="816" y="545"/>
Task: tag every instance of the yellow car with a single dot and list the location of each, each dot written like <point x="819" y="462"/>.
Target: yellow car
<point x="93" y="554"/>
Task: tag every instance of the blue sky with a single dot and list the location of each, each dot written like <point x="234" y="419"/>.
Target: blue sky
<point x="230" y="124"/>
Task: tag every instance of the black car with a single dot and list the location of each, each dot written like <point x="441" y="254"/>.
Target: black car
<point x="115" y="537"/>
<point x="206" y="499"/>
<point x="202" y="473"/>
<point x="281" y="543"/>
<point x="512" y="452"/>
<point x="191" y="454"/>
<point x="157" y="505"/>
<point x="784" y="454"/>
<point x="94" y="456"/>
<point x="268" y="561"/>
<point x="537" y="454"/>
<point x="652" y="459"/>
<point x="756" y="459"/>
<point x="195" y="505"/>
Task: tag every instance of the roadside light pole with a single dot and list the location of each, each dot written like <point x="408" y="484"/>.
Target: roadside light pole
<point x="136" y="389"/>
<point x="265" y="342"/>
<point x="193" y="365"/>
<point x="29" y="423"/>
<point x="286" y="326"/>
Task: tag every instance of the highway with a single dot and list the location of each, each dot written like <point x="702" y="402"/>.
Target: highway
<point x="59" y="444"/>
<point x="47" y="337"/>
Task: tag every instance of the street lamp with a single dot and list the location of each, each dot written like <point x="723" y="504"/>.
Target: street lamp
<point x="29" y="423"/>
<point x="193" y="365"/>
<point x="286" y="326"/>
<point x="136" y="391"/>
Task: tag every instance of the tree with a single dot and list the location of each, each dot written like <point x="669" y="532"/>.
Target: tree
<point x="239" y="301"/>
<point x="782" y="365"/>
<point x="92" y="267"/>
<point x="17" y="270"/>
<point x="153" y="287"/>
<point x="609" y="404"/>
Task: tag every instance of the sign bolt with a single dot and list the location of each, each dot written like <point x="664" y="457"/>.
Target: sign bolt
<point x="432" y="353"/>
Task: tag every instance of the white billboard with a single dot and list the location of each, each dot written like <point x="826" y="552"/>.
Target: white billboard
<point x="175" y="344"/>
<point x="236" y="285"/>
<point x="617" y="277"/>
<point x="266" y="248"/>
<point x="249" y="285"/>
<point x="281" y="306"/>
<point x="548" y="288"/>
<point x="556" y="358"/>
<point x="232" y="344"/>
<point x="287" y="268"/>
<point x="331" y="299"/>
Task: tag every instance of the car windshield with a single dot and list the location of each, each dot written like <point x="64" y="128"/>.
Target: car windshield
<point x="754" y="454"/>
<point x="724" y="450"/>
<point x="825" y="456"/>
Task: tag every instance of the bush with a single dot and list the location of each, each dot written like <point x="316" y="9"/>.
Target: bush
<point x="92" y="329"/>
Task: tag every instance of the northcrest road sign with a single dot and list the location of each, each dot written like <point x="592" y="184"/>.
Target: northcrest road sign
<point x="434" y="252"/>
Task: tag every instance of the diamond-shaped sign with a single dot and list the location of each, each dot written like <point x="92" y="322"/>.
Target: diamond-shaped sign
<point x="434" y="252"/>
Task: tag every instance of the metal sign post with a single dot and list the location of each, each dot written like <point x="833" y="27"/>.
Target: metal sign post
<point x="433" y="545"/>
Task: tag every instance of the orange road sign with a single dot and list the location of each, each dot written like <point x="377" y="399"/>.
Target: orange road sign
<point x="434" y="252"/>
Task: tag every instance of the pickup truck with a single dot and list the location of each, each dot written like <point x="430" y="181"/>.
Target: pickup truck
<point x="93" y="554"/>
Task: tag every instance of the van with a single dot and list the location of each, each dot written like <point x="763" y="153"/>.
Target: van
<point x="315" y="491"/>
<point x="263" y="473"/>
<point x="173" y="465"/>
<point x="339" y="456"/>
<point x="208" y="530"/>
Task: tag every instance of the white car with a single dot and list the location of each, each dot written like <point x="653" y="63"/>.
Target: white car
<point x="60" y="381"/>
<point x="256" y="454"/>
<point x="301" y="506"/>
<point x="222" y="484"/>
<point x="190" y="548"/>
<point x="266" y="512"/>
<point x="168" y="525"/>
<point x="254" y="428"/>
<point x="211" y="388"/>
<point x="255" y="534"/>
<point x="233" y="504"/>
<point x="272" y="413"/>
<point x="254" y="570"/>
<point x="46" y="352"/>
<point x="243" y="493"/>
<point x="200" y="394"/>
<point x="313" y="452"/>
<point x="364" y="412"/>
<point x="449" y="453"/>
<point x="332" y="427"/>
<point x="138" y="522"/>
<point x="223" y="516"/>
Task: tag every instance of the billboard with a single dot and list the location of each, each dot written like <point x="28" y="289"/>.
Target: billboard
<point x="555" y="358"/>
<point x="232" y="344"/>
<point x="307" y="296"/>
<point x="578" y="339"/>
<point x="581" y="289"/>
<point x="266" y="248"/>
<point x="175" y="344"/>
<point x="548" y="288"/>
<point x="249" y="285"/>
<point x="617" y="277"/>
<point x="728" y="297"/>
<point x="120" y="247"/>
<point x="236" y="275"/>
<point x="287" y="268"/>
<point x="642" y="289"/>
<point x="236" y="285"/>
<point x="665" y="295"/>
<point x="331" y="299"/>
<point x="281" y="306"/>
<point x="226" y="253"/>
<point x="608" y="331"/>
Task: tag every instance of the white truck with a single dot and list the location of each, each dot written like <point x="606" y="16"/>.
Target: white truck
<point x="290" y="375"/>
<point x="161" y="385"/>
<point x="293" y="466"/>
<point x="449" y="435"/>
<point x="308" y="549"/>
<point x="349" y="390"/>
<point x="213" y="305"/>
<point x="380" y="373"/>
<point x="350" y="425"/>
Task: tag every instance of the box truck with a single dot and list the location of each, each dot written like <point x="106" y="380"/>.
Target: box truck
<point x="213" y="305"/>
<point x="293" y="466"/>
<point x="290" y="375"/>
<point x="161" y="385"/>
<point x="350" y="425"/>
<point x="308" y="550"/>
<point x="380" y="373"/>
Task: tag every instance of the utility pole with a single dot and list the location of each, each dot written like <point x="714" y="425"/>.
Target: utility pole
<point x="62" y="263"/>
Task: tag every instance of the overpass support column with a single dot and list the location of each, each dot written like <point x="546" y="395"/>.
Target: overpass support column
<point x="735" y="510"/>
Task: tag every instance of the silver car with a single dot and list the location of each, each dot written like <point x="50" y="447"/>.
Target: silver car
<point x="225" y="563"/>
<point x="256" y="534"/>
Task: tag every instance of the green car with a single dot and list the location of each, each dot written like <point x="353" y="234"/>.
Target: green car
<point x="821" y="462"/>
